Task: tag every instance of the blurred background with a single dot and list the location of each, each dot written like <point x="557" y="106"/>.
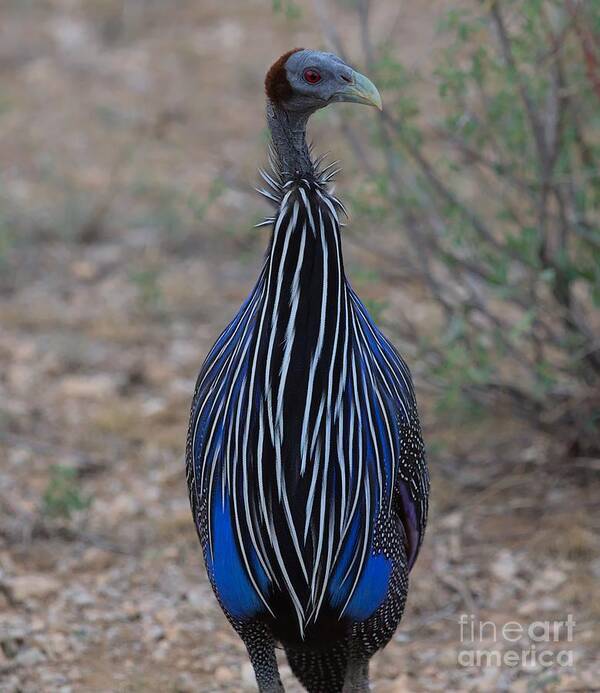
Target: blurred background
<point x="130" y="136"/>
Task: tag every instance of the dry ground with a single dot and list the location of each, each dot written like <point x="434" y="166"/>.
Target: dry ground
<point x="130" y="131"/>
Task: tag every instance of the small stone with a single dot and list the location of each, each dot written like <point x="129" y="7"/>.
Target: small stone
<point x="185" y="683"/>
<point x="37" y="625"/>
<point x="97" y="559"/>
<point x="398" y="685"/>
<point x="18" y="457"/>
<point x="84" y="270"/>
<point x="37" y="586"/>
<point x="89" y="386"/>
<point x="198" y="598"/>
<point x="56" y="645"/>
<point x="224" y="675"/>
<point x="30" y="657"/>
<point x="248" y="678"/>
<point x="74" y="674"/>
<point x="595" y="567"/>
<point x="117" y="508"/>
<point x="11" y="685"/>
<point x="154" y="632"/>
<point x="161" y="651"/>
<point x="452" y="521"/>
<point x="154" y="405"/>
<point x="504" y="566"/>
<point x="166" y="617"/>
<point x="131" y="610"/>
<point x="52" y="679"/>
<point x="79" y="596"/>
<point x="548" y="580"/>
<point x="8" y="565"/>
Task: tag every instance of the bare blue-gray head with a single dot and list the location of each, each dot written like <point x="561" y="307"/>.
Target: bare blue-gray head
<point x="299" y="83"/>
<point x="306" y="80"/>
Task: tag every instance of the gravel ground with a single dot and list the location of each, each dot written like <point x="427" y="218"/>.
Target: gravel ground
<point x="129" y="136"/>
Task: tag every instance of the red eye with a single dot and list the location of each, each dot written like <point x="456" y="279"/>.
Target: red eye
<point x="312" y="76"/>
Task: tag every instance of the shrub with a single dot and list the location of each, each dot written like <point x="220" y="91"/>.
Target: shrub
<point x="497" y="189"/>
<point x="63" y="496"/>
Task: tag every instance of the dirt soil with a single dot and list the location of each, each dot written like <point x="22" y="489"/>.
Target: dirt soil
<point x="130" y="135"/>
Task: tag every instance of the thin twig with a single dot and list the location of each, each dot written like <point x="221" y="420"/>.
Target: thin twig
<point x="329" y="29"/>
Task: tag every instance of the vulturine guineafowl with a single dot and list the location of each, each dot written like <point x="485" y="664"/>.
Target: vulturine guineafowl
<point x="305" y="462"/>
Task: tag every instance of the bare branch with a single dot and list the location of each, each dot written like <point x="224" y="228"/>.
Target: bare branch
<point x="536" y="125"/>
<point x="439" y="186"/>
<point x="363" y="14"/>
<point x="592" y="61"/>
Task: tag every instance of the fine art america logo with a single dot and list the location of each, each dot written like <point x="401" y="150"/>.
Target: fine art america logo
<point x="514" y="644"/>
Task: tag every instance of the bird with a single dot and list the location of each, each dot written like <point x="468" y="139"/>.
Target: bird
<point x="305" y="462"/>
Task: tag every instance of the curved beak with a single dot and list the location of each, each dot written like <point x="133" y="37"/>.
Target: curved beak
<point x="360" y="90"/>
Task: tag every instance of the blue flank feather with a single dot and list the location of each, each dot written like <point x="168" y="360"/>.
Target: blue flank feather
<point x="229" y="574"/>
<point x="338" y="587"/>
<point x="372" y="588"/>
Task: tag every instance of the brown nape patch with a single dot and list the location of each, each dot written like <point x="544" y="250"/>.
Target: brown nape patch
<point x="277" y="86"/>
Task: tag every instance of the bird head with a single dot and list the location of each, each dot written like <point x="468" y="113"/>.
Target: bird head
<point x="304" y="80"/>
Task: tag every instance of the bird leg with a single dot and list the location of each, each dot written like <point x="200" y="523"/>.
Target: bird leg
<point x="261" y="650"/>
<point x="357" y="676"/>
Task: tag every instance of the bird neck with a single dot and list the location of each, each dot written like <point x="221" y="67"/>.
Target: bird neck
<point x="288" y="132"/>
<point x="302" y="337"/>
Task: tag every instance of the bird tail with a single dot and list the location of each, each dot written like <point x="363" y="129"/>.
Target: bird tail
<point x="320" y="671"/>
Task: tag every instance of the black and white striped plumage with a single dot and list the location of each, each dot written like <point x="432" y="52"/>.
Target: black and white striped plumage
<point x="305" y="462"/>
